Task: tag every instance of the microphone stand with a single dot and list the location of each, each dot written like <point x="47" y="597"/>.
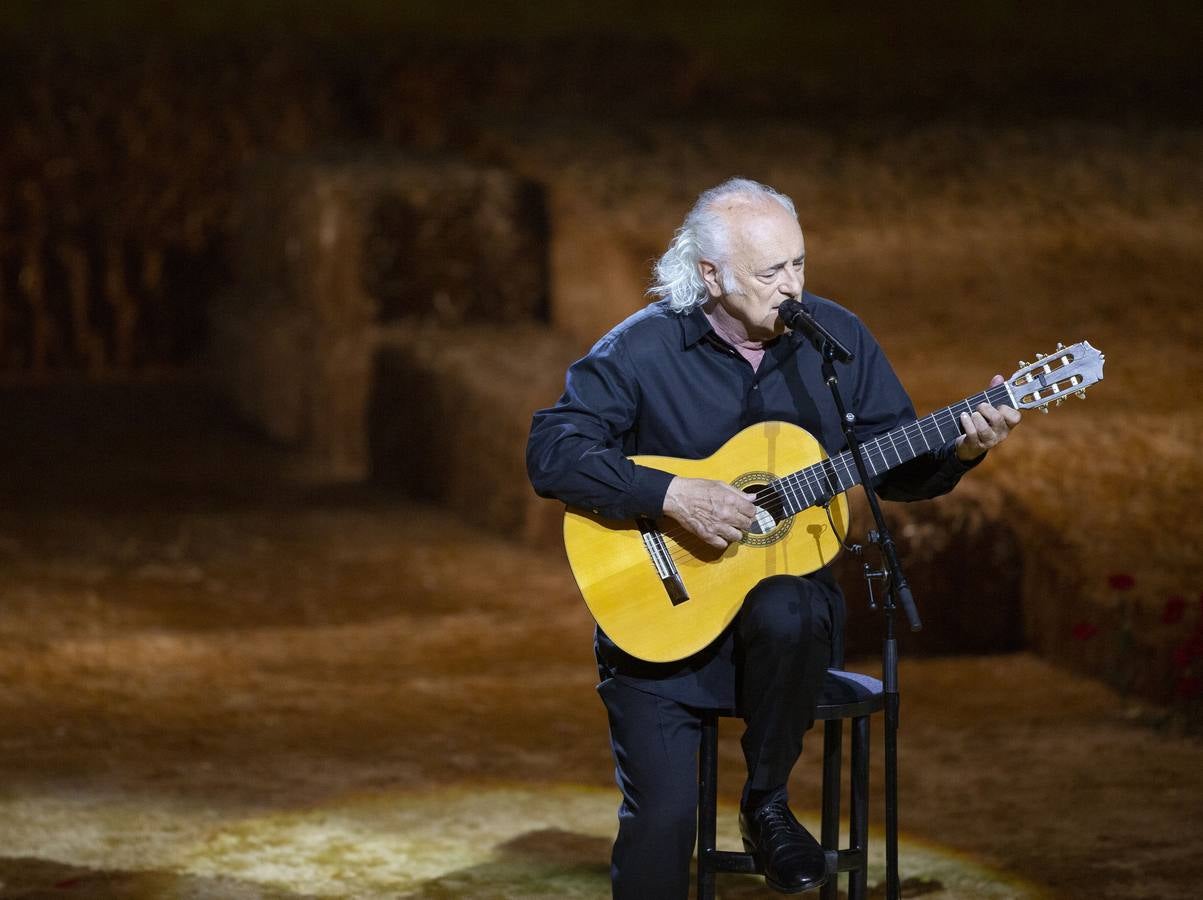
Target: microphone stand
<point x="898" y="593"/>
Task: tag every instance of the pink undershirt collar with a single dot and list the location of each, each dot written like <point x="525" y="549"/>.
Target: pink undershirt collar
<point x="752" y="351"/>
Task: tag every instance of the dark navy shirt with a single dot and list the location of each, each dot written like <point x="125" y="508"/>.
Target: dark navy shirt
<point x="665" y="384"/>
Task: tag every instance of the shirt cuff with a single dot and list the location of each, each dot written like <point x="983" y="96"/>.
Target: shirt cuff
<point x="648" y="490"/>
<point x="959" y="465"/>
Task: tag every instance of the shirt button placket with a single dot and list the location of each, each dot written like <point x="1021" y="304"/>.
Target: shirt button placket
<point x="754" y="407"/>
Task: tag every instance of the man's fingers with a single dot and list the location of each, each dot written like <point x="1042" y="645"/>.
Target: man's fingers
<point x="720" y="536"/>
<point x="711" y="510"/>
<point x="743" y="503"/>
<point x="991" y="426"/>
<point x="986" y="427"/>
<point x="730" y="533"/>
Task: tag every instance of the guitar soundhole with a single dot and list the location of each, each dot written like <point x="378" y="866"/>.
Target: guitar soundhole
<point x="770" y="525"/>
<point x="764" y="518"/>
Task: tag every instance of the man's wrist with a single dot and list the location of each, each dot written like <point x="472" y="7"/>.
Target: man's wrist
<point x="966" y="462"/>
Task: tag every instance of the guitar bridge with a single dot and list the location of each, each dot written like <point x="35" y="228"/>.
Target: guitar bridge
<point x="670" y="576"/>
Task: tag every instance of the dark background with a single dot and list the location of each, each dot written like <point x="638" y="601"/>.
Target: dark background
<point x="127" y="123"/>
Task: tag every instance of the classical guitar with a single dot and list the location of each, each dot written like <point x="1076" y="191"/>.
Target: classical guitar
<point x="661" y="594"/>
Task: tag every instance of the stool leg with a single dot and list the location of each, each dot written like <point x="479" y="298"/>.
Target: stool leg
<point x="833" y="749"/>
<point x="858" y="830"/>
<point x="707" y="804"/>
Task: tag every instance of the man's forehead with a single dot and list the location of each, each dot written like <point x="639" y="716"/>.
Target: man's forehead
<point x="764" y="233"/>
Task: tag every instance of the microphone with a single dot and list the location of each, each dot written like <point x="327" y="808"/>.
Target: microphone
<point x="797" y="318"/>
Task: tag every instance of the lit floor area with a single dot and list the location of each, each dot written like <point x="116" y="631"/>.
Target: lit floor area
<point x="340" y="696"/>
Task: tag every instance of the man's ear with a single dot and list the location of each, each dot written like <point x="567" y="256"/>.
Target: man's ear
<point x="711" y="277"/>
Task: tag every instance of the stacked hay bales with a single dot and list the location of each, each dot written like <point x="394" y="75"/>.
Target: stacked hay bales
<point x="450" y="415"/>
<point x="333" y="253"/>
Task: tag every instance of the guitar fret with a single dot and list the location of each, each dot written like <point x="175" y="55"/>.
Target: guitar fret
<point x="830" y="477"/>
<point x="797" y="490"/>
<point x="792" y="492"/>
<point x="793" y="496"/>
<point x="954" y="423"/>
<point x="846" y="459"/>
<point x="834" y="478"/>
<point x="890" y="435"/>
<point x="813" y="483"/>
<point x="808" y="492"/>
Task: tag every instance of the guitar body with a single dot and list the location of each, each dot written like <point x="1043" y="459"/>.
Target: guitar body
<point x="617" y="574"/>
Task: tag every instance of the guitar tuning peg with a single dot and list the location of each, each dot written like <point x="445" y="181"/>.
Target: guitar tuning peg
<point x="1044" y="409"/>
<point x="1023" y="364"/>
<point x="1081" y="395"/>
<point x="1060" y="400"/>
<point x="1060" y="346"/>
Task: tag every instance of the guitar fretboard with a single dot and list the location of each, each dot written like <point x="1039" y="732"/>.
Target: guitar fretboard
<point x="818" y="483"/>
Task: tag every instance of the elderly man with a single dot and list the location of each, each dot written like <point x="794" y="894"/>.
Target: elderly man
<point x="679" y="378"/>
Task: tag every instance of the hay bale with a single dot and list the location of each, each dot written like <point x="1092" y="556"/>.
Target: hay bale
<point x="332" y="250"/>
<point x="450" y="414"/>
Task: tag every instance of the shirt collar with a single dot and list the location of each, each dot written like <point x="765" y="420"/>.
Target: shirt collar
<point x="694" y="326"/>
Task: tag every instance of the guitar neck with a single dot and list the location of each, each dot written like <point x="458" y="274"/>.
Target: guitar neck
<point x="818" y="483"/>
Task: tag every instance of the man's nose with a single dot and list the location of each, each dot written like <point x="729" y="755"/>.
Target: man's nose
<point x="791" y="283"/>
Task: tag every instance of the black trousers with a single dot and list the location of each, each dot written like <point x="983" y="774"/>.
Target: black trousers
<point x="783" y="648"/>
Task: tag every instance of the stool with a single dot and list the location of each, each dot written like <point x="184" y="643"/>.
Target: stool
<point x="846" y="695"/>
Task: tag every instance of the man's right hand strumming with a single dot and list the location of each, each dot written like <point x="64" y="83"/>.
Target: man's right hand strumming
<point x="712" y="510"/>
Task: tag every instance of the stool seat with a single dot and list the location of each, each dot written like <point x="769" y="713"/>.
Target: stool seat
<point x="845" y="695"/>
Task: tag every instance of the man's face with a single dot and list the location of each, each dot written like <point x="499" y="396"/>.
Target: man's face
<point x="765" y="265"/>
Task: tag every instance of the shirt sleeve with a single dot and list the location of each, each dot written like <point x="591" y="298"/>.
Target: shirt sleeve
<point x="575" y="452"/>
<point x="882" y="404"/>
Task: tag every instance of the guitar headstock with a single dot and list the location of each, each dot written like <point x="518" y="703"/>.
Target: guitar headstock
<point x="1067" y="370"/>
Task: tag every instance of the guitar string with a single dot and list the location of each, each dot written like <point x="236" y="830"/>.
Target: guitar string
<point x="816" y="482"/>
<point x="809" y="480"/>
<point x="789" y="484"/>
<point x="876" y="445"/>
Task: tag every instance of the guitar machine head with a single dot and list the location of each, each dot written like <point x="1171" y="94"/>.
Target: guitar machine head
<point x="1067" y="370"/>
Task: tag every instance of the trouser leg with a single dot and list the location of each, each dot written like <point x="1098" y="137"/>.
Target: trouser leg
<point x="784" y="647"/>
<point x="655" y="743"/>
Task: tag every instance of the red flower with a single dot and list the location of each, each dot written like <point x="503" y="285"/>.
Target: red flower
<point x="1121" y="581"/>
<point x="1084" y="631"/>
<point x="1173" y="610"/>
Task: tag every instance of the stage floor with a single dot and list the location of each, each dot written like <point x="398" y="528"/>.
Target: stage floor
<point x="343" y="696"/>
<point x="216" y="681"/>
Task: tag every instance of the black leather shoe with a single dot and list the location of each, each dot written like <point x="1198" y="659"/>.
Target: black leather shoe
<point x="791" y="858"/>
